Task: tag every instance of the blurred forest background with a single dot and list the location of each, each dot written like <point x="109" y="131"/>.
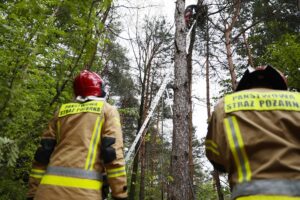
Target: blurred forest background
<point x="44" y="44"/>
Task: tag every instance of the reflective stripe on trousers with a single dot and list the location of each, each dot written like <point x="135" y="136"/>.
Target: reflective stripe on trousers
<point x="290" y="188"/>
<point x="72" y="177"/>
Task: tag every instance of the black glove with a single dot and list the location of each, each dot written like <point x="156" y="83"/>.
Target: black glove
<point x="105" y="186"/>
<point x="105" y="191"/>
<point x="29" y="198"/>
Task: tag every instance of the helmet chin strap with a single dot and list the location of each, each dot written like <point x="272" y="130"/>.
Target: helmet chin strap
<point x="90" y="98"/>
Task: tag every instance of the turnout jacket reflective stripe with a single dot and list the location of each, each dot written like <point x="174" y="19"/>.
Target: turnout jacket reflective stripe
<point x="254" y="135"/>
<point x="76" y="166"/>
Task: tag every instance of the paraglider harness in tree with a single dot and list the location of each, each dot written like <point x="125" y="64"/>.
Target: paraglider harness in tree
<point x="194" y="14"/>
<point x="190" y="15"/>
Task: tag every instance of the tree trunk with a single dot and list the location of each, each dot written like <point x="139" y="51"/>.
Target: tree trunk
<point x="229" y="59"/>
<point x="180" y="186"/>
<point x="250" y="59"/>
<point x="134" y="173"/>
<point x="207" y="72"/>
<point x="161" y="157"/>
<point x="217" y="183"/>
<point x="143" y="170"/>
<point x="136" y="158"/>
<point x="143" y="154"/>
<point x="148" y="49"/>
<point x="227" y="34"/>
<point x="216" y="177"/>
<point x="189" y="59"/>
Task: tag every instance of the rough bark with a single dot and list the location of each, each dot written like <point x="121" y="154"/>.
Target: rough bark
<point x="189" y="59"/>
<point x="230" y="60"/>
<point x="250" y="58"/>
<point x="190" y="78"/>
<point x="180" y="187"/>
<point x="227" y="34"/>
<point x="216" y="177"/>
<point x="143" y="154"/>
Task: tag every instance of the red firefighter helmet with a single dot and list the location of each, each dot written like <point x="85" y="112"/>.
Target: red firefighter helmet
<point x="263" y="76"/>
<point x="88" y="83"/>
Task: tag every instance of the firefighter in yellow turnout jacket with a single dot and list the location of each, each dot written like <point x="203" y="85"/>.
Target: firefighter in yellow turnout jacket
<point x="254" y="136"/>
<point x="83" y="141"/>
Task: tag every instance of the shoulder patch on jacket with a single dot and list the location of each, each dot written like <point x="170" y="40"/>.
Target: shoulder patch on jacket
<point x="262" y="101"/>
<point x="74" y="108"/>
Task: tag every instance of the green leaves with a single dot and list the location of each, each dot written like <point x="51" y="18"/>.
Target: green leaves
<point x="42" y="45"/>
<point x="8" y="152"/>
<point x="284" y="54"/>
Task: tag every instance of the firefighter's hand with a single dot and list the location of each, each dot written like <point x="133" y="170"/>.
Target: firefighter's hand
<point x="29" y="198"/>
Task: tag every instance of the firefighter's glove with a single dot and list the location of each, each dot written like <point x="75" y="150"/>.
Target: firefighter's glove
<point x="29" y="198"/>
<point x="108" y="152"/>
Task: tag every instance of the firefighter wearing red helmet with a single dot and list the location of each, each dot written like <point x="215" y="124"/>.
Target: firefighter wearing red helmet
<point x="83" y="141"/>
<point x="253" y="135"/>
<point x="89" y="84"/>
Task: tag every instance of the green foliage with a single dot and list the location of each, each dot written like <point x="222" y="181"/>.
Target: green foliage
<point x="226" y="86"/>
<point x="206" y="191"/>
<point x="42" y="45"/>
<point x="275" y="37"/>
<point x="277" y="18"/>
<point x="129" y="111"/>
<point x="8" y="152"/>
<point x="11" y="190"/>
<point x="284" y="54"/>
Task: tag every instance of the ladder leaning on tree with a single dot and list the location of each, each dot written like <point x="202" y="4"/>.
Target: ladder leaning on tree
<point x="151" y="110"/>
